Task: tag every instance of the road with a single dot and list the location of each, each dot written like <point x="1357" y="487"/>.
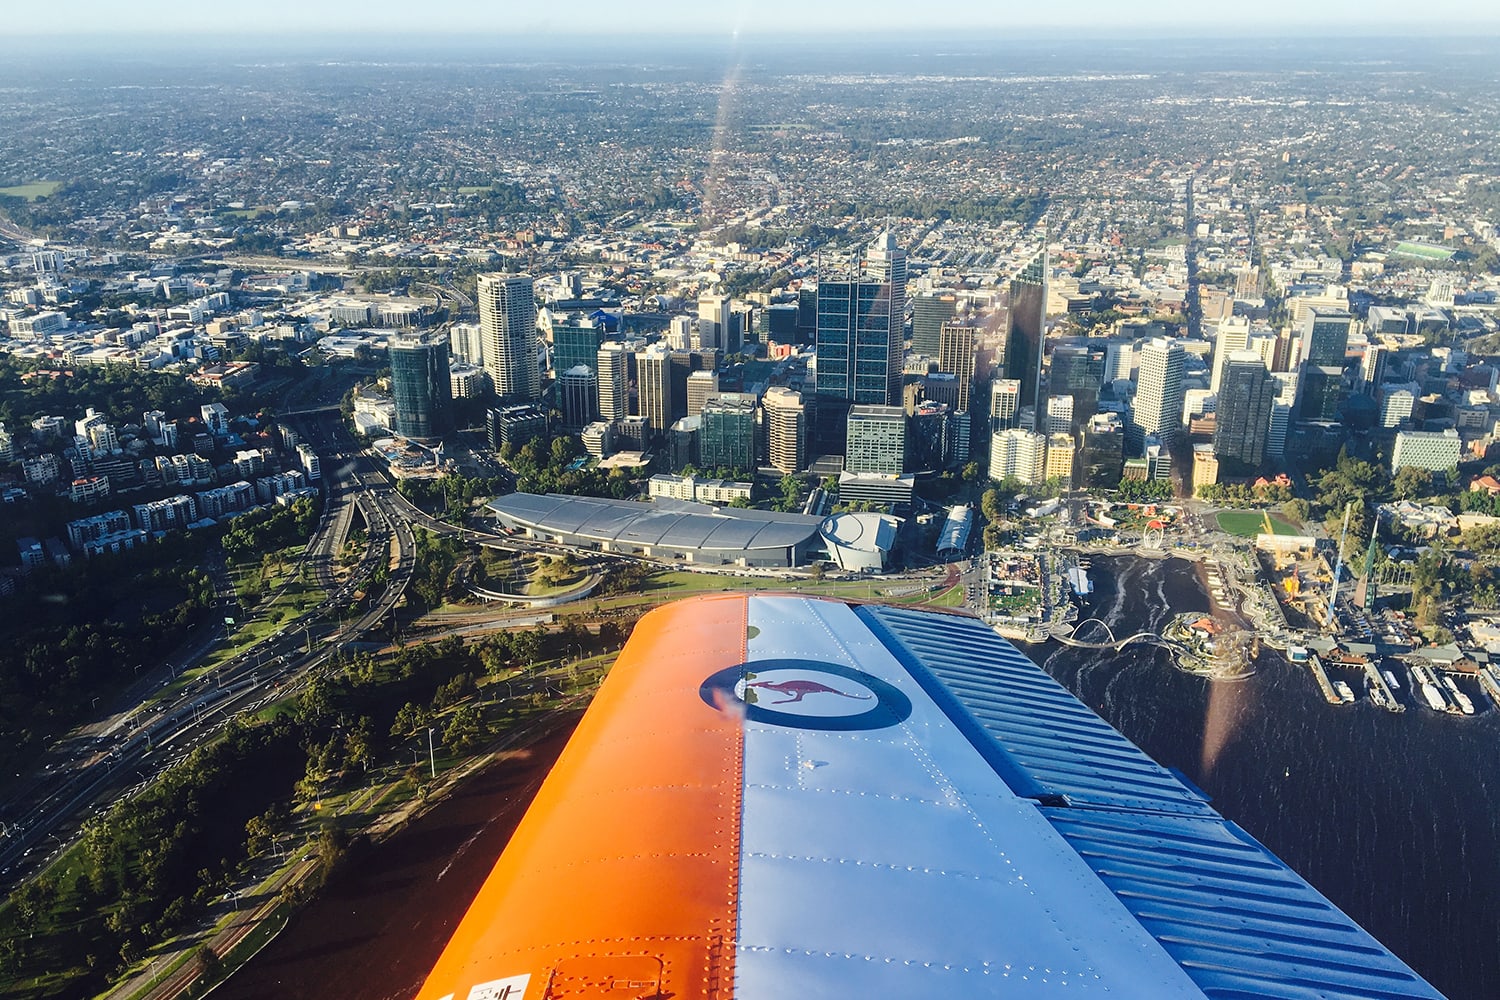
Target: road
<point x="120" y="754"/>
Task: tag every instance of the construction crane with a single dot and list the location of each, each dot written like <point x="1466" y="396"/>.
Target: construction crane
<point x="1338" y="566"/>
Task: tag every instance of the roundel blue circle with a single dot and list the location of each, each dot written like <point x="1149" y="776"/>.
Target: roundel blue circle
<point x="806" y="694"/>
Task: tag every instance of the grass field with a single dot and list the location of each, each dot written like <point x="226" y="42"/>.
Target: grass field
<point x="1424" y="250"/>
<point x="32" y="191"/>
<point x="1249" y="523"/>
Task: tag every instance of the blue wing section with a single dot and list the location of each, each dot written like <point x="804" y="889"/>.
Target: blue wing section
<point x="1238" y="921"/>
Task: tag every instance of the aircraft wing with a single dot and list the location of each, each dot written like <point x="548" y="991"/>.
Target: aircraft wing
<point x="780" y="796"/>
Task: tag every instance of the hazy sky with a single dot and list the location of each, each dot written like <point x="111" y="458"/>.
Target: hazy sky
<point x="271" y="17"/>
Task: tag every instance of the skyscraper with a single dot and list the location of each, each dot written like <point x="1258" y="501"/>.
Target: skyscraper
<point x="507" y="323"/>
<point x="786" y="430"/>
<point x="727" y="434"/>
<point x="928" y="315"/>
<point x="1243" y="421"/>
<point x="877" y="440"/>
<point x="575" y="341"/>
<point x="1059" y="415"/>
<point x="713" y="322"/>
<point x="578" y="397"/>
<point x="861" y="314"/>
<point x="421" y="385"/>
<point x="700" y="386"/>
<point x="653" y="373"/>
<point x="1325" y="336"/>
<point x="956" y="358"/>
<point x="1018" y="454"/>
<point x="1157" y="409"/>
<point x="612" y="367"/>
<point x="1005" y="404"/>
<point x="1233" y="335"/>
<point x="1026" y="328"/>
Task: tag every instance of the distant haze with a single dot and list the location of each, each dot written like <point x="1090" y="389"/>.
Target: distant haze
<point x="764" y="17"/>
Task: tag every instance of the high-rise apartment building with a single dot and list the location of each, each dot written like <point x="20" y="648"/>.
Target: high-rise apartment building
<point x="1026" y="328"/>
<point x="956" y="357"/>
<point x="508" y="335"/>
<point x="786" y="430"/>
<point x="466" y="343"/>
<point x="1157" y="408"/>
<point x="1243" y="421"/>
<point x="1018" y="454"/>
<point x="422" y="387"/>
<point x="1281" y="413"/>
<point x="860" y="335"/>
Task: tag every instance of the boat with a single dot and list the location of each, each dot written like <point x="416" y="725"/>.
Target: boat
<point x="1434" y="697"/>
<point x="1465" y="705"/>
<point x="1346" y="693"/>
<point x="1390" y="679"/>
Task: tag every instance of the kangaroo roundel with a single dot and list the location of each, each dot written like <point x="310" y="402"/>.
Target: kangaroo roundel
<point x="806" y="694"/>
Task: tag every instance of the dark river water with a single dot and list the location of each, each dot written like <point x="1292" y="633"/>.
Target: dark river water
<point x="1394" y="817"/>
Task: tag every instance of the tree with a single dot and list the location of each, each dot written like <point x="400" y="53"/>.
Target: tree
<point x="1412" y="483"/>
<point x="465" y="729"/>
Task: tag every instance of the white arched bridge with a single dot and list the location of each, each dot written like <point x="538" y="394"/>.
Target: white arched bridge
<point x="1068" y="636"/>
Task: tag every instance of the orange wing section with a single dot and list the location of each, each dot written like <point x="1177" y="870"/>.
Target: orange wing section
<point x="637" y="826"/>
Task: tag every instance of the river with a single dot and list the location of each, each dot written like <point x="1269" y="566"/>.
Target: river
<point x="1394" y="817"/>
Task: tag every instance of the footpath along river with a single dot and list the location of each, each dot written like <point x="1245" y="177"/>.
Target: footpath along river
<point x="1394" y="817"/>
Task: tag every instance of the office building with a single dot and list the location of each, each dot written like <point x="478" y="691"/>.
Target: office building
<point x="514" y="426"/>
<point x="653" y="368"/>
<point x="1325" y="336"/>
<point x="1103" y="458"/>
<point x="1372" y="369"/>
<point x="421" y="385"/>
<point x="1077" y="371"/>
<point x="1026" y="328"/>
<point x="1061" y="452"/>
<point x="1233" y="335"/>
<point x="928" y="315"/>
<point x="956" y="357"/>
<point x="575" y="341"/>
<point x="876" y="440"/>
<point x="1005" y="404"/>
<point x="1322" y="390"/>
<point x="1157" y="408"/>
<point x="578" y="397"/>
<point x="701" y="386"/>
<point x="714" y="318"/>
<point x="1437" y="451"/>
<point x="1281" y="413"/>
<point x="726" y="436"/>
<point x="613" y="372"/>
<point x="1246" y="395"/>
<point x="1397" y="402"/>
<point x="508" y="335"/>
<point x="860" y="335"/>
<point x="786" y="430"/>
<point x="1059" y="415"/>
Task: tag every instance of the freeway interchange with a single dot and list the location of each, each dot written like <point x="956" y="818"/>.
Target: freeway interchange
<point x="158" y="723"/>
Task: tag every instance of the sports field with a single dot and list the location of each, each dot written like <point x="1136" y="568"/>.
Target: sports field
<point x="1424" y="250"/>
<point x="32" y="191"/>
<point x="1249" y="523"/>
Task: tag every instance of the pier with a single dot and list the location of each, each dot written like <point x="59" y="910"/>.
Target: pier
<point x="1380" y="692"/>
<point x="1321" y="676"/>
<point x="1489" y="681"/>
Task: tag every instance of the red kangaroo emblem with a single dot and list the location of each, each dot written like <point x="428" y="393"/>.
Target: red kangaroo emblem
<point x="797" y="690"/>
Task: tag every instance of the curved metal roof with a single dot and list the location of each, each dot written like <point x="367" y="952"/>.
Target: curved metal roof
<point x="672" y="523"/>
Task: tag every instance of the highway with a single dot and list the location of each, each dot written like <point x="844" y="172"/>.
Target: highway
<point x="85" y="772"/>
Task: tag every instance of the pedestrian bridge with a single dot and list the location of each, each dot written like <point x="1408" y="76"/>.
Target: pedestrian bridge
<point x="1067" y="634"/>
